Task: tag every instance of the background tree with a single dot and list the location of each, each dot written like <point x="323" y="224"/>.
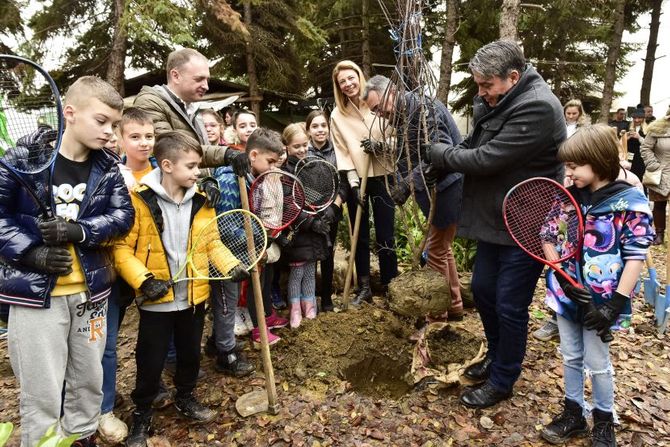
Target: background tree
<point x="509" y="18"/>
<point x="614" y="48"/>
<point x="650" y="57"/>
<point x="11" y="24"/>
<point x="448" y="44"/>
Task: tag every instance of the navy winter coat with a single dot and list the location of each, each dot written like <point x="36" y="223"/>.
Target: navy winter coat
<point x="105" y="213"/>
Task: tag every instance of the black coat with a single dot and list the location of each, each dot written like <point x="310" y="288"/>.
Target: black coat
<point x="514" y="141"/>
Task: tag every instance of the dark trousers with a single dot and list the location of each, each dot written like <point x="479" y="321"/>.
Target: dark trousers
<point x="156" y="330"/>
<point x="503" y="282"/>
<point x="327" y="269"/>
<point x="659" y="216"/>
<point x="4" y="312"/>
<point x="383" y="211"/>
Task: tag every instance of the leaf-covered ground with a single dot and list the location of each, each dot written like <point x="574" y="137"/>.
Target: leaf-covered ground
<point x="320" y="406"/>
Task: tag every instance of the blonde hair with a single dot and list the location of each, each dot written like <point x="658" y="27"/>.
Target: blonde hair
<point x="597" y="146"/>
<point x="581" y="120"/>
<point x="340" y="98"/>
<point x="291" y="131"/>
<point x="87" y="87"/>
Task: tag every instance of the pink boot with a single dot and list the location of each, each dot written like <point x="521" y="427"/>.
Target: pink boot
<point x="256" y="338"/>
<point x="308" y="308"/>
<point x="295" y="315"/>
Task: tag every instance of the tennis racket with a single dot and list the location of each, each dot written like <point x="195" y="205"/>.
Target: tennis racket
<point x="277" y="198"/>
<point x="31" y="123"/>
<point x="545" y="221"/>
<point x="221" y="245"/>
<point x="320" y="181"/>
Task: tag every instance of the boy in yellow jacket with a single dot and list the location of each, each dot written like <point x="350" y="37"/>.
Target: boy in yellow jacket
<point x="169" y="213"/>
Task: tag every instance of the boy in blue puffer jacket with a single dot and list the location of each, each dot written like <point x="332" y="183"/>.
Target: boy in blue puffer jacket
<point x="58" y="273"/>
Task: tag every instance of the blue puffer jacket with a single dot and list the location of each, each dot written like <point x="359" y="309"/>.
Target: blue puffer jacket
<point x="105" y="214"/>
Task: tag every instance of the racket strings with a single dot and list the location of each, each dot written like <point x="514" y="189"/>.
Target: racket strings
<point x="541" y="213"/>
<point x="29" y="117"/>
<point x="277" y="198"/>
<point x="320" y="181"/>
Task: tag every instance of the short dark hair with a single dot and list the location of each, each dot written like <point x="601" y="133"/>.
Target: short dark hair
<point x="239" y="112"/>
<point x="180" y="57"/>
<point x="620" y="110"/>
<point x="498" y="58"/>
<point x="265" y="140"/>
<point x="170" y="145"/>
<point x="134" y="115"/>
<point x="87" y="87"/>
<point x="313" y="114"/>
<point x="595" y="145"/>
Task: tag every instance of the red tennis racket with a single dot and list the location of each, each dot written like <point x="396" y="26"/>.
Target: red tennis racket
<point x="545" y="221"/>
<point x="277" y="198"/>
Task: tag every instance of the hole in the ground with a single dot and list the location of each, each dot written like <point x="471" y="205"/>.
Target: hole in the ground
<point x="379" y="376"/>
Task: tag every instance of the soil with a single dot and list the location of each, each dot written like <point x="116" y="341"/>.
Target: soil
<point x="451" y="345"/>
<point x="419" y="293"/>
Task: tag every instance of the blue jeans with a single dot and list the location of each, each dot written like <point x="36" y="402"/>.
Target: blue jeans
<point x="583" y="350"/>
<point x="116" y="305"/>
<point x="503" y="282"/>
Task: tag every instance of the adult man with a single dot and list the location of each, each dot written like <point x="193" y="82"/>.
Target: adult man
<point x="649" y="114"/>
<point x="518" y="126"/>
<point x="173" y="107"/>
<point x="620" y="122"/>
<point x="382" y="99"/>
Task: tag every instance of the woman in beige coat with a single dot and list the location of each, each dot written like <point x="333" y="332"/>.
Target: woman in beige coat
<point x="350" y="123"/>
<point x="656" y="155"/>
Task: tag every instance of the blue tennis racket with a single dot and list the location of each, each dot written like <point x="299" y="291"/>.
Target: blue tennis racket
<point x="31" y="123"/>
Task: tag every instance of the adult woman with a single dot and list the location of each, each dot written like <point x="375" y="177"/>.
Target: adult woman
<point x="655" y="152"/>
<point x="574" y="115"/>
<point x="350" y="123"/>
<point x="636" y="133"/>
<point x="213" y="126"/>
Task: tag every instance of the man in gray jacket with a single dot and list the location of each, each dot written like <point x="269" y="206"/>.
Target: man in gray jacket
<point x="518" y="126"/>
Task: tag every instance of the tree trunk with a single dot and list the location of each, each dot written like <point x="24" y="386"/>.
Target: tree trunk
<point x="365" y="36"/>
<point x="117" y="56"/>
<point x="650" y="58"/>
<point x="612" y="58"/>
<point x="254" y="92"/>
<point x="447" y="51"/>
<point x="509" y="17"/>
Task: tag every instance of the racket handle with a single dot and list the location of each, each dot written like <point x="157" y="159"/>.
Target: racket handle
<point x="140" y="299"/>
<point x="607" y="337"/>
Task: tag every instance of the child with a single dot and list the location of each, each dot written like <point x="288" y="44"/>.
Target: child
<point x="264" y="149"/>
<point x="244" y="124"/>
<point x="136" y="132"/>
<point x="618" y="233"/>
<point x="321" y="146"/>
<point x="213" y="126"/>
<point x="168" y="207"/>
<point x="57" y="274"/>
<point x="309" y="243"/>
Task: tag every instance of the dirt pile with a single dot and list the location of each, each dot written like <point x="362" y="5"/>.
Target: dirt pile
<point x="419" y="293"/>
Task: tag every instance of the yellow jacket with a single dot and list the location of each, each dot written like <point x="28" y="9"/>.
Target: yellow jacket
<point x="141" y="254"/>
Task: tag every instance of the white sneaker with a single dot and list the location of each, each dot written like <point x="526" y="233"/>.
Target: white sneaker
<point x="240" y="323"/>
<point x="246" y="317"/>
<point x="112" y="429"/>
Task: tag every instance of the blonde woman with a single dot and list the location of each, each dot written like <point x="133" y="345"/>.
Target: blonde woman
<point x="574" y="115"/>
<point x="350" y="123"/>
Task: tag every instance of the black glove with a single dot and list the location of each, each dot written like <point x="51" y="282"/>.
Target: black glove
<point x="58" y="231"/>
<point x="431" y="176"/>
<point x="576" y="294"/>
<point x="371" y="146"/>
<point x="356" y="191"/>
<point x="54" y="260"/>
<point x="434" y="154"/>
<point x="211" y="189"/>
<point x="320" y="226"/>
<point x="400" y="193"/>
<point x="154" y="289"/>
<point x="239" y="161"/>
<point x="238" y="274"/>
<point x="601" y="318"/>
<point x="38" y="139"/>
<point x="332" y="214"/>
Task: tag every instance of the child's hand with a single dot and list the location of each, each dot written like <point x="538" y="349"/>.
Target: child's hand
<point x="600" y="319"/>
<point x="238" y="274"/>
<point x="320" y="226"/>
<point x="576" y="294"/>
<point x="54" y="260"/>
<point x="59" y="231"/>
<point x="212" y="192"/>
<point x="155" y="289"/>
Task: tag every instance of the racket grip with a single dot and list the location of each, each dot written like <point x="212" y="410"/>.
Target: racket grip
<point x="140" y="299"/>
<point x="607" y="337"/>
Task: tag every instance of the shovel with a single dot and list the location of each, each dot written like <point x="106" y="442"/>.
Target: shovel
<point x="662" y="305"/>
<point x="651" y="284"/>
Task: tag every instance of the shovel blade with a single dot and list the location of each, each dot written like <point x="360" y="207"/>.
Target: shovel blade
<point x="651" y="287"/>
<point x="660" y="309"/>
<point x="252" y="403"/>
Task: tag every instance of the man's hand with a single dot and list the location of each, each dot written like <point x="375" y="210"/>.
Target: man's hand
<point x="320" y="226"/>
<point x="601" y="318"/>
<point x="58" y="231"/>
<point x="576" y="294"/>
<point x="371" y="146"/>
<point x="154" y="289"/>
<point x="239" y="161"/>
<point x="431" y="176"/>
<point x="52" y="260"/>
<point x="238" y="274"/>
<point x="400" y="193"/>
<point x="433" y="154"/>
<point x="211" y="189"/>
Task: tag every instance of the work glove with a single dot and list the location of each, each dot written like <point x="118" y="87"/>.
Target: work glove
<point x="356" y="191"/>
<point x="58" y="231"/>
<point x="578" y="295"/>
<point x="431" y="176"/>
<point x="154" y="289"/>
<point x="52" y="260"/>
<point x="433" y="154"/>
<point x="371" y="146"/>
<point x="37" y="140"/>
<point x="602" y="318"/>
<point x="400" y="193"/>
<point x="211" y="189"/>
<point x="239" y="161"/>
<point x="320" y="226"/>
<point x="238" y="274"/>
<point x="332" y="214"/>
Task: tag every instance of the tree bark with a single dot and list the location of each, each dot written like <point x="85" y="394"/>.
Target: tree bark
<point x="650" y="58"/>
<point x="365" y="38"/>
<point x="509" y="18"/>
<point x="117" y="56"/>
<point x="612" y="58"/>
<point x="448" y="45"/>
<point x="254" y="92"/>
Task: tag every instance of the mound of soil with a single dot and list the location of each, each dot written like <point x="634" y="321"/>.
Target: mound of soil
<point x="419" y="293"/>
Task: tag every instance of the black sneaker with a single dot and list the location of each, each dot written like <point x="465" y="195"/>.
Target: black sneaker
<point x="140" y="430"/>
<point x="190" y="408"/>
<point x="163" y="398"/>
<point x="85" y="442"/>
<point x="234" y="364"/>
<point x="603" y="429"/>
<point x="569" y="424"/>
<point x="171" y="369"/>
